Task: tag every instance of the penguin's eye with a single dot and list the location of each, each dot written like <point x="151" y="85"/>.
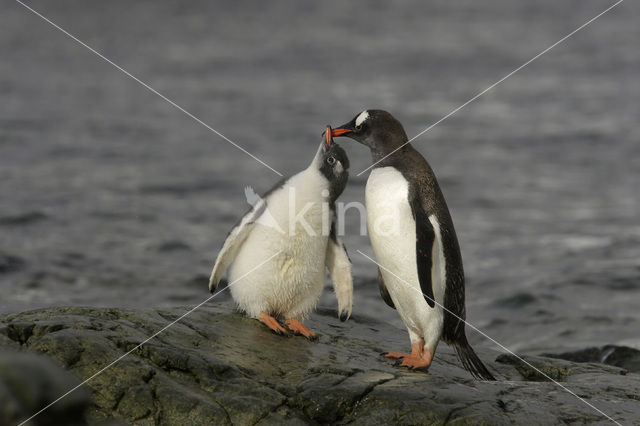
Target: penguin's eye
<point x="331" y="160"/>
<point x="358" y="127"/>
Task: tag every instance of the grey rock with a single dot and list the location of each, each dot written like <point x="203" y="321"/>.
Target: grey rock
<point x="216" y="366"/>
<point x="620" y="356"/>
<point x="29" y="382"/>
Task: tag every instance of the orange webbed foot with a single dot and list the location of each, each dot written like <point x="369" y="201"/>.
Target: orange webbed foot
<point x="419" y="359"/>
<point x="299" y="329"/>
<point x="414" y="363"/>
<point x="273" y="324"/>
<point x="394" y="355"/>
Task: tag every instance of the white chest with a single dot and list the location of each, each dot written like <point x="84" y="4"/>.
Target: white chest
<point x="389" y="220"/>
<point x="301" y="208"/>
<point x="392" y="230"/>
<point x="388" y="210"/>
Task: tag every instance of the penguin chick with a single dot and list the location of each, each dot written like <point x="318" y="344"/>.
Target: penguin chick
<point x="294" y="226"/>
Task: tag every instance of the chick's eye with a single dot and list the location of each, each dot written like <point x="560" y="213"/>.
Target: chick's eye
<point x="331" y="160"/>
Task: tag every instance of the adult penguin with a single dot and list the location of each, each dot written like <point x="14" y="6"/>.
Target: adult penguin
<point x="414" y="241"/>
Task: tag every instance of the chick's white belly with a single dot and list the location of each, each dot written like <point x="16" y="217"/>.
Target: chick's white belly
<point x="289" y="284"/>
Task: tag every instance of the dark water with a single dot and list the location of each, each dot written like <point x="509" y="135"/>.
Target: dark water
<point x="112" y="197"/>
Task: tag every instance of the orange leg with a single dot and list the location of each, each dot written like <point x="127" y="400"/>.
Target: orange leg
<point x="273" y="324"/>
<point x="298" y="328"/>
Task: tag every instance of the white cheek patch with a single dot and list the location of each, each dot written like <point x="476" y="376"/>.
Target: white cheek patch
<point x="338" y="169"/>
<point x="362" y="117"/>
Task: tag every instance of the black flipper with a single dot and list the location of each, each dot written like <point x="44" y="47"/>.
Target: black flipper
<point x="384" y="293"/>
<point x="425" y="236"/>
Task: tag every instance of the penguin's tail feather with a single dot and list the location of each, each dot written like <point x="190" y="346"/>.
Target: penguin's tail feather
<point x="470" y="360"/>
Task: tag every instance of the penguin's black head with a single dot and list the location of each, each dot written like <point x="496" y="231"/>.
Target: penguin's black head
<point x="374" y="128"/>
<point x="333" y="163"/>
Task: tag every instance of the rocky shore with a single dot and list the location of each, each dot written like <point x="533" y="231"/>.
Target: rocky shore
<point x="218" y="367"/>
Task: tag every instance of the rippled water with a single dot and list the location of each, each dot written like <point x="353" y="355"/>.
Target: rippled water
<point x="111" y="196"/>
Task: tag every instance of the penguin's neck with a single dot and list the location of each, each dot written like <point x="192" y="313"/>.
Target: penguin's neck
<point x="387" y="152"/>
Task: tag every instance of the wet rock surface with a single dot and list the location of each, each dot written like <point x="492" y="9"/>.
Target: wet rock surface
<point x="29" y="382"/>
<point x="216" y="366"/>
<point x="620" y="356"/>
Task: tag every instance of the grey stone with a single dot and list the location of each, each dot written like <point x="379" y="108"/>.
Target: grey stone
<point x="216" y="366"/>
<point x="620" y="356"/>
<point x="29" y="382"/>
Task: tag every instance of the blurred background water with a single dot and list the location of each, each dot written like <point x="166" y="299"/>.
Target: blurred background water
<point x="110" y="196"/>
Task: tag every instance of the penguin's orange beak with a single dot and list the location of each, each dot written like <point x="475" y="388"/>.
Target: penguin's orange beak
<point x="328" y="135"/>
<point x="340" y="132"/>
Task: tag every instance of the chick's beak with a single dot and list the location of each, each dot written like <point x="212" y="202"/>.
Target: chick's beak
<point x="328" y="135"/>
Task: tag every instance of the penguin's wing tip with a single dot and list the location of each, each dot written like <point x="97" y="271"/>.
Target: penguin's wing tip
<point x="213" y="283"/>
<point x="344" y="315"/>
